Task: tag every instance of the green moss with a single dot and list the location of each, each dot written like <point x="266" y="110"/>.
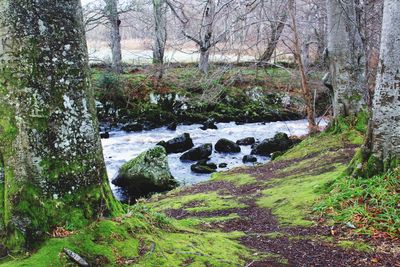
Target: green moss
<point x="237" y="179"/>
<point x="203" y="202"/>
<point x="197" y="221"/>
<point x="137" y="240"/>
<point x="355" y="245"/>
<point x="291" y="199"/>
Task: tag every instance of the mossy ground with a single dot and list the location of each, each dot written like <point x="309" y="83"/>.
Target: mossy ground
<point x="247" y="215"/>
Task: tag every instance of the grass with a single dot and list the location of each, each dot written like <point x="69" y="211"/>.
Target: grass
<point x="372" y="205"/>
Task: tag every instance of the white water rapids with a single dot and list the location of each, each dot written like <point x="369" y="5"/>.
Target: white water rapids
<point x="122" y="146"/>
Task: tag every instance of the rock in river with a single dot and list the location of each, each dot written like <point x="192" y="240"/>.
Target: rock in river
<point x="227" y="146"/>
<point x="246" y="141"/>
<point x="280" y="142"/>
<point x="249" y="158"/>
<point x="178" y="144"/>
<point x="204" y="167"/>
<point x="147" y="173"/>
<point x="197" y="153"/>
<point x="209" y="125"/>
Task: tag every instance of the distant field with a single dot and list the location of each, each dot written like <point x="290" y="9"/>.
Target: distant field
<point x="139" y="52"/>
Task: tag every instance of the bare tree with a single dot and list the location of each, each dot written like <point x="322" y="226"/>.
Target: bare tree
<point x="276" y="25"/>
<point x="298" y="56"/>
<point x="111" y="12"/>
<point x="160" y="33"/>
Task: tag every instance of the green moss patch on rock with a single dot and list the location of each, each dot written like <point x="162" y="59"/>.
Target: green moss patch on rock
<point x="149" y="172"/>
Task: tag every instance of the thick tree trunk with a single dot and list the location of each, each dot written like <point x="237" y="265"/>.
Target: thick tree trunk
<point x="346" y="58"/>
<point x="115" y="37"/>
<point x="385" y="121"/>
<point x="54" y="173"/>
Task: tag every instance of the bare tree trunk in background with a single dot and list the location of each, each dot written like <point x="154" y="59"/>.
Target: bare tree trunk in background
<point x="304" y="82"/>
<point x="111" y="10"/>
<point x="160" y="34"/>
<point x="385" y="122"/>
<point x="50" y="149"/>
<point x="206" y="33"/>
<point x="277" y="28"/>
<point x="346" y="57"/>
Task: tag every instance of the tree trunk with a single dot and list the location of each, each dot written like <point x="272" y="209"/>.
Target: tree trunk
<point x="346" y="58"/>
<point x="203" y="63"/>
<point x="54" y="172"/>
<point x="385" y="122"/>
<point x="206" y="33"/>
<point x="160" y="36"/>
<point x="276" y="32"/>
<point x="115" y="37"/>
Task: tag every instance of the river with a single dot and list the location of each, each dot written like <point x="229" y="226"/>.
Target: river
<point x="122" y="146"/>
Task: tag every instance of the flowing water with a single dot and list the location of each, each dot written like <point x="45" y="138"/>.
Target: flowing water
<point x="122" y="146"/>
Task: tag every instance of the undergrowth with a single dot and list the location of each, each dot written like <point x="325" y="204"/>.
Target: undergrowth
<point x="372" y="205"/>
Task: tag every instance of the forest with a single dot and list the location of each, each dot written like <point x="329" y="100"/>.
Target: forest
<point x="199" y="133"/>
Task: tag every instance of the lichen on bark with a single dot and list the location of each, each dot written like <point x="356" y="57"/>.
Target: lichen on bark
<point x="53" y="166"/>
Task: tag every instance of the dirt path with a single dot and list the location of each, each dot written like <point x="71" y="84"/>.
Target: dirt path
<point x="277" y="244"/>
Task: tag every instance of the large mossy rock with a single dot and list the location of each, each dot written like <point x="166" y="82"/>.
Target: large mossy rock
<point x="147" y="173"/>
<point x="280" y="142"/>
<point x="178" y="144"/>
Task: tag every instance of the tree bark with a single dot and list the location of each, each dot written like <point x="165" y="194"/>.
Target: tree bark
<point x="115" y="37"/>
<point x="346" y="58"/>
<point x="206" y="33"/>
<point x="385" y="122"/>
<point x="54" y="172"/>
<point x="160" y="29"/>
<point x="160" y="34"/>
<point x="276" y="32"/>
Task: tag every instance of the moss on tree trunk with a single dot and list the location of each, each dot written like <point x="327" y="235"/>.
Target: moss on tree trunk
<point x="54" y="173"/>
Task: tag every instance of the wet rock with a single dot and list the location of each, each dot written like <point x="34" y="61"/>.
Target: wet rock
<point x="246" y="141"/>
<point x="147" y="173"/>
<point x="76" y="258"/>
<point x="203" y="167"/>
<point x="172" y="126"/>
<point x="105" y="135"/>
<point x="178" y="144"/>
<point x="132" y="127"/>
<point x="249" y="158"/>
<point x="209" y="125"/>
<point x="197" y="153"/>
<point x="280" y="142"/>
<point x="223" y="165"/>
<point x="227" y="146"/>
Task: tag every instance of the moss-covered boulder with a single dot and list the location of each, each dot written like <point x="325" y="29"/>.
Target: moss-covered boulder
<point x="147" y="173"/>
